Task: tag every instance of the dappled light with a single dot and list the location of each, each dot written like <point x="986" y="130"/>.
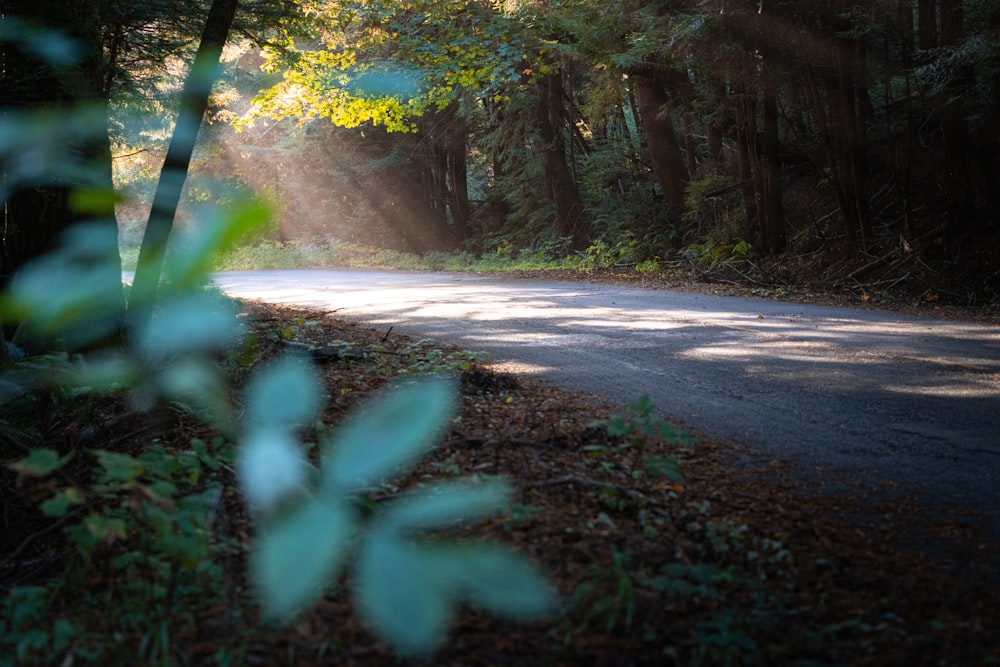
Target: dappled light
<point x="835" y="386"/>
<point x="764" y="339"/>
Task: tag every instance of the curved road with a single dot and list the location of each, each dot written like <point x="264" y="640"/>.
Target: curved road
<point x="881" y="396"/>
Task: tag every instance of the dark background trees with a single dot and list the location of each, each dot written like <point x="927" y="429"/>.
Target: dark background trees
<point x="831" y="133"/>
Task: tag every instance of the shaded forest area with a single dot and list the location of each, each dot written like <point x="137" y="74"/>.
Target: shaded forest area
<point x="775" y="143"/>
<point x="829" y="142"/>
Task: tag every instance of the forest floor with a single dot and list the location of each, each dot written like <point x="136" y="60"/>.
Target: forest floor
<point x="738" y="563"/>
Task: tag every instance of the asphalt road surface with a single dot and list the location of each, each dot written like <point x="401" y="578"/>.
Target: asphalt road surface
<point x="879" y="396"/>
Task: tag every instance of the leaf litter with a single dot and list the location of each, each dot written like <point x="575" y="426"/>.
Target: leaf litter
<point x="742" y="560"/>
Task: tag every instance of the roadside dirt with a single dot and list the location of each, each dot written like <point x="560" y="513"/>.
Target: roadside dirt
<point x="740" y="563"/>
<point x="681" y="276"/>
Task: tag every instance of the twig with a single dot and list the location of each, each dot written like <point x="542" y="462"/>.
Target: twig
<point x="586" y="481"/>
<point x="29" y="538"/>
<point x="463" y="439"/>
<point x="885" y="259"/>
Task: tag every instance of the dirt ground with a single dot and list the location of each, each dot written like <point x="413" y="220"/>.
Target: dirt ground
<point x="740" y="563"/>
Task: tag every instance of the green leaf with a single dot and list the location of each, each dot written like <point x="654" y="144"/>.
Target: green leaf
<point x="187" y="266"/>
<point x="202" y="386"/>
<point x="74" y="291"/>
<point x="404" y="593"/>
<point x="285" y="394"/>
<point x="408" y="591"/>
<point x="446" y="504"/>
<point x="93" y="201"/>
<point x="297" y="557"/>
<point x="104" y="529"/>
<point x="499" y="581"/>
<point x="121" y="467"/>
<point x="39" y="463"/>
<point x="662" y="467"/>
<point x="389" y="434"/>
<point x="199" y="321"/>
<point x="270" y="467"/>
<point x="105" y="374"/>
<point x="58" y="504"/>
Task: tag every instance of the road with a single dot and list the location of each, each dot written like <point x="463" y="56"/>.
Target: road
<point x="879" y="396"/>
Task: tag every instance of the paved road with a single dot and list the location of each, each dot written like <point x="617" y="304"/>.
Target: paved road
<point x="879" y="395"/>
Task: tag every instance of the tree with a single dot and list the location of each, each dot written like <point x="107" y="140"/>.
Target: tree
<point x="36" y="212"/>
<point x="50" y="60"/>
<point x="194" y="101"/>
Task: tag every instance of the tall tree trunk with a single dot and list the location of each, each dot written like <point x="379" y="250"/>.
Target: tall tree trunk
<point x="962" y="181"/>
<point x="194" y="102"/>
<point x="429" y="199"/>
<point x="850" y="140"/>
<point x="927" y="24"/>
<point x="572" y="221"/>
<point x="661" y="139"/>
<point x="456" y="147"/>
<point x="774" y="208"/>
<point x="35" y="214"/>
<point x="902" y="147"/>
<point x="746" y="136"/>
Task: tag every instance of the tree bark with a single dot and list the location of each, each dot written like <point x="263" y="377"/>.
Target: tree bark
<point x="774" y="216"/>
<point x="961" y="180"/>
<point x="194" y="102"/>
<point x="746" y="136"/>
<point x="35" y="215"/>
<point x="456" y="136"/>
<point x="849" y="138"/>
<point x="661" y="138"/>
<point x="927" y="24"/>
<point x="572" y="222"/>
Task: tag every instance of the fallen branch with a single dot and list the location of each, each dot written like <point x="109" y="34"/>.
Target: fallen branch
<point x="885" y="259"/>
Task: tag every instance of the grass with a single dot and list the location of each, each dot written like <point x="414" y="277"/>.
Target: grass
<point x="342" y="254"/>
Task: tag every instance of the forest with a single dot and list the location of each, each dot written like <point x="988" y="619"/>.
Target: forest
<point x="826" y="142"/>
<point x="179" y="487"/>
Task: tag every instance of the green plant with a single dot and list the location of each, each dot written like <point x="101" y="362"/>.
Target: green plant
<point x="601" y="254"/>
<point x="407" y="580"/>
<point x="424" y="357"/>
<point x="640" y="428"/>
<point x="649" y="266"/>
<point x="24" y="630"/>
<point x="520" y="514"/>
<point x="709" y="255"/>
<point x="606" y="597"/>
<point x="149" y="520"/>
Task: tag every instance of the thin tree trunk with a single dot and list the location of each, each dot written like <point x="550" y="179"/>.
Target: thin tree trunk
<point x="774" y="217"/>
<point x="194" y="102"/>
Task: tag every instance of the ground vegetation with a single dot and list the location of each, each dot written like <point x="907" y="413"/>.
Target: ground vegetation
<point x="664" y="547"/>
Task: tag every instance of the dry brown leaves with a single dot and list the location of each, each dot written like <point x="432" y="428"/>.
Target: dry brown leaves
<point x="747" y="561"/>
